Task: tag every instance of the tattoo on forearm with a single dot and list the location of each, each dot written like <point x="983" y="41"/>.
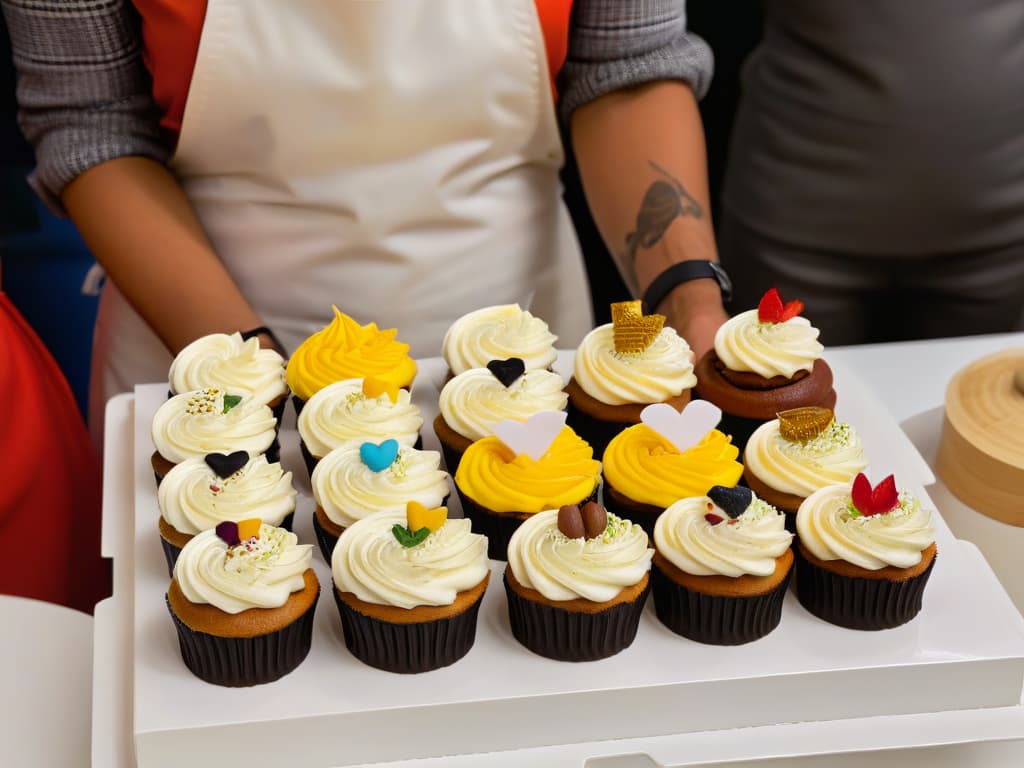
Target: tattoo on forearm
<point x="662" y="203"/>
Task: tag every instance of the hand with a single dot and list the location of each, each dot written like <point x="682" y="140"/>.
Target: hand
<point x="695" y="310"/>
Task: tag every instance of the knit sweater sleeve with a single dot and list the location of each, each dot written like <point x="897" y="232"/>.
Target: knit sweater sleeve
<point x="83" y="90"/>
<point x="615" y="44"/>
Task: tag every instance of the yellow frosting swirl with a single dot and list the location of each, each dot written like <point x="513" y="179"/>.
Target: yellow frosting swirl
<point x="346" y="350"/>
<point x="743" y="343"/>
<point x="494" y="478"/>
<point x="641" y="464"/>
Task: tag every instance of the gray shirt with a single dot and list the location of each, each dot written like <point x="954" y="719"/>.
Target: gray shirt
<point x="883" y="126"/>
<point x="84" y="94"/>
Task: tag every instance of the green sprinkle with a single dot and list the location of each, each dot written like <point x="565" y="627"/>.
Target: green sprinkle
<point x="230" y="401"/>
<point x="407" y="538"/>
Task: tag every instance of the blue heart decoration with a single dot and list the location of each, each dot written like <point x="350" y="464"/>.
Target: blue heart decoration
<point x="379" y="457"/>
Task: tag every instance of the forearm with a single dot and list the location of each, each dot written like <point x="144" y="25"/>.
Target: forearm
<point x="140" y="226"/>
<point x="643" y="166"/>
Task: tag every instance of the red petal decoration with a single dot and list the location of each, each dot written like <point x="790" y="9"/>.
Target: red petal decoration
<point x="714" y="519"/>
<point x="769" y="309"/>
<point x="791" y="310"/>
<point x="874" y="501"/>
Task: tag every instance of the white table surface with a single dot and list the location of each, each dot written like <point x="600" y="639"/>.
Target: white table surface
<point x="910" y="379"/>
<point x="46" y="673"/>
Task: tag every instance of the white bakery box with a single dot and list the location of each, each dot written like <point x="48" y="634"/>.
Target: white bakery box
<point x="947" y="685"/>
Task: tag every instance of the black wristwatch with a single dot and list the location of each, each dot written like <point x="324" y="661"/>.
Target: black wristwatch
<point x="683" y="272"/>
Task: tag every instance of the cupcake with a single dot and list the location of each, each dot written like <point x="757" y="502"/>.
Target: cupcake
<point x="498" y="333"/>
<point x="863" y="554"/>
<point x="522" y="469"/>
<point x="353" y="411"/>
<point x="804" y="449"/>
<point x="622" y="367"/>
<point x="667" y="457"/>
<point x="210" y="420"/>
<point x="204" y="491"/>
<point x="346" y="350"/>
<point x="242" y="599"/>
<point x="408" y="587"/>
<point x="722" y="563"/>
<point x="576" y="582"/>
<point x="764" y="361"/>
<point x="359" y="480"/>
<point x="472" y="402"/>
<point x="228" y="362"/>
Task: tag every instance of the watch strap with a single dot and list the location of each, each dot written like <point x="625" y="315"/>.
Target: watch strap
<point x="683" y="272"/>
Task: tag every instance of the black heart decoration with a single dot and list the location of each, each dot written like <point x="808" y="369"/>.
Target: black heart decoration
<point x="226" y="464"/>
<point x="507" y="371"/>
<point x="732" y="500"/>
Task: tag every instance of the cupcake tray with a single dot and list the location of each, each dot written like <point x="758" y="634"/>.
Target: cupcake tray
<point x="962" y="657"/>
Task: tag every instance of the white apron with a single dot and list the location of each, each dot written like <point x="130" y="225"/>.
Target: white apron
<point x="397" y="158"/>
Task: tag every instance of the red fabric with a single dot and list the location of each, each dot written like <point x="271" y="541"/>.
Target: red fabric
<point x="50" y="482"/>
<point x="171" y="30"/>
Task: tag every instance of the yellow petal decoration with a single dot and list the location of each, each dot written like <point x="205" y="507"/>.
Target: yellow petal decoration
<point x="632" y="331"/>
<point x="248" y="529"/>
<point x="374" y="387"/>
<point x="419" y="516"/>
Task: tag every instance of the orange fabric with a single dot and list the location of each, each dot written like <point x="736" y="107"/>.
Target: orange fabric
<point x="171" y="30"/>
<point x="50" y="493"/>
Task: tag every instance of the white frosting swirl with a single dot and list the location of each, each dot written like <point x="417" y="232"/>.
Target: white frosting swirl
<point x="831" y="529"/>
<point x="834" y="456"/>
<point x="195" y="424"/>
<point x="348" y="490"/>
<point x="498" y="333"/>
<point x="260" y="573"/>
<point x="662" y="371"/>
<point x="340" y="413"/>
<point x="369" y="562"/>
<point x="545" y="559"/>
<point x="474" y="401"/>
<point x="749" y="544"/>
<point x="192" y="498"/>
<point x="227" y="362"/>
<point x="743" y="343"/>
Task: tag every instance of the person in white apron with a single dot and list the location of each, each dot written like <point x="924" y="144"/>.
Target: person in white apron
<point x="396" y="158"/>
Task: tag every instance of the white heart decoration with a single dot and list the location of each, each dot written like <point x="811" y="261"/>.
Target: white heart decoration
<point x="684" y="430"/>
<point x="533" y="436"/>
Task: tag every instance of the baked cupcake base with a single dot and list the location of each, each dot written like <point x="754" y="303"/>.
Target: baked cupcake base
<point x="574" y="630"/>
<point x="720" y="610"/>
<point x="453" y="445"/>
<point x="410" y="640"/>
<point x="598" y="422"/>
<point x="327" y="532"/>
<point x="498" y="527"/>
<point x="787" y="503"/>
<point x="748" y="400"/>
<point x="172" y="540"/>
<point x="644" y="515"/>
<point x="257" y="646"/>
<point x="853" y="597"/>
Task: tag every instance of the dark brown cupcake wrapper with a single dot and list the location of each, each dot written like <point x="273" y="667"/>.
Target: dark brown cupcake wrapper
<point x="498" y="527"/>
<point x="452" y="457"/>
<point x="408" y="648"/>
<point x="596" y="432"/>
<point x="324" y="539"/>
<point x="644" y="515"/>
<point x="565" y="635"/>
<point x="311" y="461"/>
<point x="858" y="603"/>
<point x="171" y="551"/>
<point x="716" y="619"/>
<point x="244" y="661"/>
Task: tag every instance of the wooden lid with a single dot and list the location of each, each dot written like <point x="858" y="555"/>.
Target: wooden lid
<point x="981" y="453"/>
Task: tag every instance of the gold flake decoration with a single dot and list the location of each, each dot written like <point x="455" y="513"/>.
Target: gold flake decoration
<point x="800" y="425"/>
<point x="633" y="332"/>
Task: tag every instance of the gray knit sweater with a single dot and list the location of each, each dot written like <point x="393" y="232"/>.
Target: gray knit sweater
<point x="84" y="93"/>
